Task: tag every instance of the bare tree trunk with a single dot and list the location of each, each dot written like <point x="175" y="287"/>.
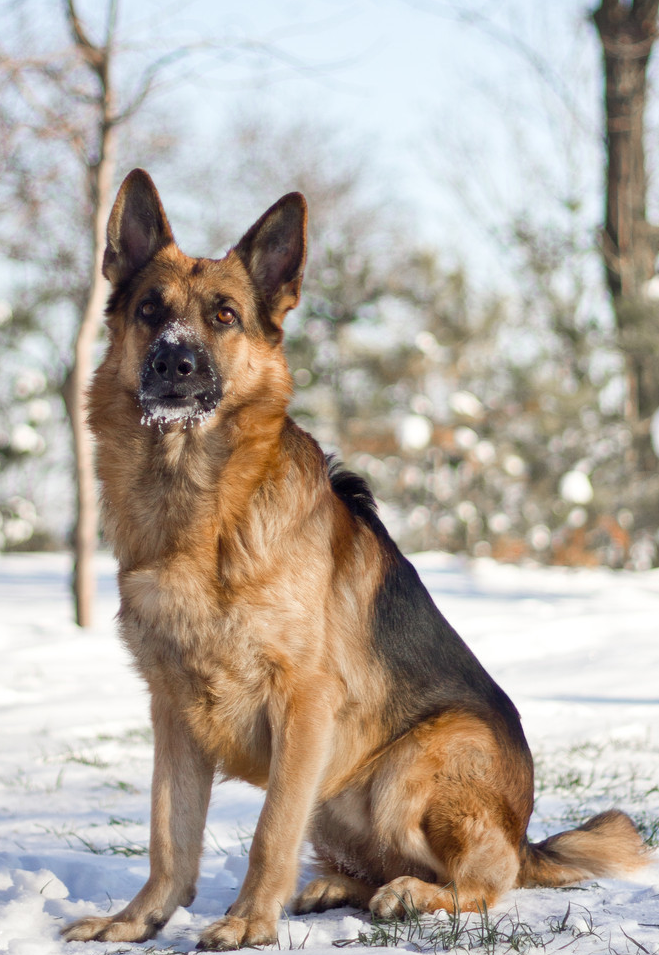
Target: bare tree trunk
<point x="630" y="244"/>
<point x="86" y="528"/>
<point x="100" y="182"/>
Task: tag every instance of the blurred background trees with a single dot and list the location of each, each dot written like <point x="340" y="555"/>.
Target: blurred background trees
<point x="511" y="419"/>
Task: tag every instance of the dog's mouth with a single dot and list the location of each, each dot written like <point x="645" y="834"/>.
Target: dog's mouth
<point x="179" y="385"/>
<point x="173" y="409"/>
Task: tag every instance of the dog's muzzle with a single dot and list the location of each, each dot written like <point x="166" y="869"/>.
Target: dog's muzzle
<point x="179" y="383"/>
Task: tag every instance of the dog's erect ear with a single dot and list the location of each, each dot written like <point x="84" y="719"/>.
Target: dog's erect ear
<point x="274" y="251"/>
<point x="137" y="228"/>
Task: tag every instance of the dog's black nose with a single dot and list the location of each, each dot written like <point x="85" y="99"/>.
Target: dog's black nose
<point x="174" y="362"/>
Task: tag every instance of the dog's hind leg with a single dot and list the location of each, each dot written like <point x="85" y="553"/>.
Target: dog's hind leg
<point x="475" y="877"/>
<point x="179" y="802"/>
<point x="455" y="798"/>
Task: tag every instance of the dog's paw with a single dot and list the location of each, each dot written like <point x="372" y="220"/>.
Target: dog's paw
<point x="330" y="892"/>
<point x="397" y="899"/>
<point x="109" y="929"/>
<point x="318" y="896"/>
<point x="233" y="932"/>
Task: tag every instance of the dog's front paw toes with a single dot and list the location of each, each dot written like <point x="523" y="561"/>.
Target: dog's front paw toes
<point x="84" y="930"/>
<point x="232" y="932"/>
<point x="108" y="929"/>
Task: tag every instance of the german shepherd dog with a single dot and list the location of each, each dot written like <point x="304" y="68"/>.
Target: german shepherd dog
<point x="284" y="638"/>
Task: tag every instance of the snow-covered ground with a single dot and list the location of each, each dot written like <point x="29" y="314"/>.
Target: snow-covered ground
<point x="577" y="650"/>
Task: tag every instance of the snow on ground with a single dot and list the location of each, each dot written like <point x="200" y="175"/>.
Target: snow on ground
<point x="577" y="650"/>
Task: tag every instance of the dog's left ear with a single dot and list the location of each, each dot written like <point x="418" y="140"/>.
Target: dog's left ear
<point x="274" y="251"/>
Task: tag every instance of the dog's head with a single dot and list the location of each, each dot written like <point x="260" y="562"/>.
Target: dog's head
<point x="191" y="334"/>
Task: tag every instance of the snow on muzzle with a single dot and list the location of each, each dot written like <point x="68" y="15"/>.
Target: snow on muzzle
<point x="179" y="381"/>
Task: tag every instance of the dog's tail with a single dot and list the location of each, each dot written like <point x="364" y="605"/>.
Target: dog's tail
<point x="604" y="845"/>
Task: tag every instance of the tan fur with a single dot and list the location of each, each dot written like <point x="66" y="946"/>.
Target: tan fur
<point x="247" y="588"/>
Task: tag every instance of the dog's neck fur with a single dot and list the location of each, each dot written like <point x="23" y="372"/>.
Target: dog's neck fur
<point x="188" y="462"/>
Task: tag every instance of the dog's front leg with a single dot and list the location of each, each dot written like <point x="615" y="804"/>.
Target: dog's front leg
<point x="301" y="738"/>
<point x="180" y="794"/>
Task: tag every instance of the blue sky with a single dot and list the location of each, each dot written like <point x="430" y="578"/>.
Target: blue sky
<point x="493" y="97"/>
<point x="472" y="110"/>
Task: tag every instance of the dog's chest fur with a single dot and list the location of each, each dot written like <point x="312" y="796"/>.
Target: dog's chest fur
<point x="214" y="665"/>
<point x="224" y="586"/>
<point x="221" y="634"/>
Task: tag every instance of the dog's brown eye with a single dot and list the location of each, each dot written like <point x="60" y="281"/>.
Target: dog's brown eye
<point x="147" y="310"/>
<point x="226" y="316"/>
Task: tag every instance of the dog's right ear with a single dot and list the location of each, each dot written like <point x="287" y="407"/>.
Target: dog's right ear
<point x="137" y="228"/>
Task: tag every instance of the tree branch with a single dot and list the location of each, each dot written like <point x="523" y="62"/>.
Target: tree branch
<point x="96" y="57"/>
